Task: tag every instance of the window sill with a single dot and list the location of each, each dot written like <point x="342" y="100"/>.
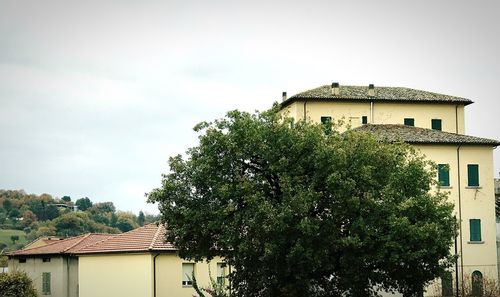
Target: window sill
<point x="445" y="187"/>
<point x="475" y="242"/>
<point x="473" y="187"/>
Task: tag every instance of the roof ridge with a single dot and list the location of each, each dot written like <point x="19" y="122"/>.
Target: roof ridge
<point x="111" y="237"/>
<point x="92" y="243"/>
<point x="77" y="242"/>
<point x="155" y="237"/>
<point x="44" y="246"/>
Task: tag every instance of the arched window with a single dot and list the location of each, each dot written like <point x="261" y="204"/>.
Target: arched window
<point x="447" y="285"/>
<point x="477" y="283"/>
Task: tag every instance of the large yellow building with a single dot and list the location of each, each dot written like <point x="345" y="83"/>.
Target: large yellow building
<point x="433" y="123"/>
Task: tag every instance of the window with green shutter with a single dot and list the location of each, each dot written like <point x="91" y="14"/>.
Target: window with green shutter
<point x="325" y="120"/>
<point x="409" y="121"/>
<point x="327" y="123"/>
<point x="364" y="120"/>
<point x="46" y="283"/>
<point x="444" y="175"/>
<point x="436" y="124"/>
<point x="475" y="229"/>
<point x="473" y="175"/>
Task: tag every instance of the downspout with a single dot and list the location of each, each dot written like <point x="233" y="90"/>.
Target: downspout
<point x="460" y="217"/>
<point x="456" y="119"/>
<point x="154" y="275"/>
<point x="372" y="121"/>
<point x="68" y="274"/>
<point x="305" y="110"/>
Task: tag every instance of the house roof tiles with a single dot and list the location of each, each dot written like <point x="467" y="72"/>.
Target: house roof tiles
<point x="382" y="94"/>
<point x="65" y="246"/>
<point x="417" y="135"/>
<point x="143" y="239"/>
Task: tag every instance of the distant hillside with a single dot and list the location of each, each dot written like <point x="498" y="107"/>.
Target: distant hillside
<point x="30" y="216"/>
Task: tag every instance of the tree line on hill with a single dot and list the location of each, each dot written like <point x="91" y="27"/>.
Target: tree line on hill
<point x="45" y="215"/>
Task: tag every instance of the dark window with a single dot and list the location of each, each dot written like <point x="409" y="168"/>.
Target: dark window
<point x="187" y="274"/>
<point x="46" y="259"/>
<point x="409" y="122"/>
<point x="473" y="175"/>
<point x="447" y="285"/>
<point x="22" y="260"/>
<point x="327" y="123"/>
<point x="325" y="120"/>
<point x="46" y="283"/>
<point x="477" y="283"/>
<point x="475" y="229"/>
<point x="444" y="175"/>
<point x="364" y="120"/>
<point x="436" y="124"/>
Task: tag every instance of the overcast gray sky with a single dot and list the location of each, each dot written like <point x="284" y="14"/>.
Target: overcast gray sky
<point x="96" y="95"/>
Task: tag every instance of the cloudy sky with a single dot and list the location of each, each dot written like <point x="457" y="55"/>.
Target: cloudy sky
<point x="96" y="95"/>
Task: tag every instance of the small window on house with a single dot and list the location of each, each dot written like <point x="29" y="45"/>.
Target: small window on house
<point x="409" y="122"/>
<point x="46" y="283"/>
<point x="221" y="273"/>
<point x="364" y="120"/>
<point x="46" y="259"/>
<point x="447" y="285"/>
<point x="187" y="274"/>
<point x="327" y="123"/>
<point x="436" y="124"/>
<point x="325" y="120"/>
<point x="475" y="229"/>
<point x="444" y="175"/>
<point x="473" y="175"/>
<point x="477" y="283"/>
<point x="22" y="260"/>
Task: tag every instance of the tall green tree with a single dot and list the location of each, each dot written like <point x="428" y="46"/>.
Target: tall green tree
<point x="300" y="212"/>
<point x="83" y="204"/>
<point x="141" y="219"/>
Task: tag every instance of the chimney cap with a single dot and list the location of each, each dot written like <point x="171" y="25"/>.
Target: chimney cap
<point x="335" y="85"/>
<point x="284" y="94"/>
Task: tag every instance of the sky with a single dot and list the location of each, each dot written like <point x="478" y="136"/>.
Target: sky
<point x="96" y="95"/>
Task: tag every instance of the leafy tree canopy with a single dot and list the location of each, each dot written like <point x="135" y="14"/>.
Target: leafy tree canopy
<point x="300" y="212"/>
<point x="16" y="284"/>
<point x="83" y="204"/>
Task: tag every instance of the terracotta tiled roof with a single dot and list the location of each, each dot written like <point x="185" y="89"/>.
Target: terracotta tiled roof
<point x="417" y="135"/>
<point x="387" y="94"/>
<point x="65" y="246"/>
<point x="144" y="239"/>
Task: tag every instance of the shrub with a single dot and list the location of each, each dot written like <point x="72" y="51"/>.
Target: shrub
<point x="489" y="288"/>
<point x="16" y="284"/>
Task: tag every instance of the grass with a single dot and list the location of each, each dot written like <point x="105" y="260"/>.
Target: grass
<point x="5" y="235"/>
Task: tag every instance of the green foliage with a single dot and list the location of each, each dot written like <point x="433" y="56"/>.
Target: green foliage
<point x="300" y="212"/>
<point x="66" y="198"/>
<point x="214" y="290"/>
<point x="5" y="238"/>
<point x="83" y="204"/>
<point x="76" y="223"/>
<point x="141" y="219"/>
<point x="14" y="238"/>
<point x="16" y="284"/>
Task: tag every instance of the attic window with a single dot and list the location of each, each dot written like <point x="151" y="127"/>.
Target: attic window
<point x="22" y="260"/>
<point x="46" y="260"/>
<point x="409" y="122"/>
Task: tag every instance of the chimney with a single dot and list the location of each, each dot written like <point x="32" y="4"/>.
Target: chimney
<point x="335" y="89"/>
<point x="371" y="90"/>
<point x="284" y="96"/>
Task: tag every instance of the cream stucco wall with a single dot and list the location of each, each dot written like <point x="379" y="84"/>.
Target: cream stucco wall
<point x="474" y="203"/>
<point x="169" y="275"/>
<point x="120" y="275"/>
<point x="383" y="113"/>
<point x="58" y="267"/>
<point x="132" y="275"/>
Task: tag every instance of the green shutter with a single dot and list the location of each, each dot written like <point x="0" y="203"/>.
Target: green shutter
<point x="46" y="283"/>
<point x="409" y="122"/>
<point x="436" y="124"/>
<point x="444" y="175"/>
<point x="475" y="229"/>
<point x="473" y="175"/>
<point x="364" y="120"/>
<point x="447" y="285"/>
